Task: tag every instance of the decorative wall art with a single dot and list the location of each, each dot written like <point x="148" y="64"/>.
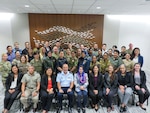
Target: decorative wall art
<point x="75" y="29"/>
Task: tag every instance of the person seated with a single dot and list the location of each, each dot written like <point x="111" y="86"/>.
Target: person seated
<point x="95" y="86"/>
<point x="81" y="84"/>
<point x="125" y="90"/>
<point x="47" y="92"/>
<point x="139" y="80"/>
<point x="110" y="87"/>
<point x="13" y="87"/>
<point x="30" y="88"/>
<point x="65" y="84"/>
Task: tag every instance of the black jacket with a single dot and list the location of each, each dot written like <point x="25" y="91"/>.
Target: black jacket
<point x="99" y="82"/>
<point x="44" y="83"/>
<point x="9" y="80"/>
<point x="143" y="80"/>
<point x="128" y="80"/>
<point x="110" y="84"/>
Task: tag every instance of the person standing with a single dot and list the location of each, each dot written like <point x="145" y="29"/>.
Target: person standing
<point x="10" y="53"/>
<point x="136" y="56"/>
<point x="49" y="61"/>
<point x="30" y="87"/>
<point x="5" y="67"/>
<point x="37" y="62"/>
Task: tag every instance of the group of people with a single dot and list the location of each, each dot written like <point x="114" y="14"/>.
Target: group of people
<point x="46" y="72"/>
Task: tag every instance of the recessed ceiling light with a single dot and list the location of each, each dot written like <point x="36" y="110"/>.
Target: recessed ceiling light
<point x="26" y="6"/>
<point x="98" y="7"/>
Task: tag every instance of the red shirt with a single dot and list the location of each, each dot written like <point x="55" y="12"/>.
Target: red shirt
<point x="49" y="86"/>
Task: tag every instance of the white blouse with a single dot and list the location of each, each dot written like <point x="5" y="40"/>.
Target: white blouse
<point x="14" y="84"/>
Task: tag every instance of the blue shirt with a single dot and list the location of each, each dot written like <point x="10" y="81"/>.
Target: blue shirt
<point x="64" y="79"/>
<point x="11" y="57"/>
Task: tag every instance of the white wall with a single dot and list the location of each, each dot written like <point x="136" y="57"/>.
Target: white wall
<point x="130" y="29"/>
<point x="111" y="31"/>
<point x="20" y="29"/>
<point x="13" y="29"/>
<point x="5" y="35"/>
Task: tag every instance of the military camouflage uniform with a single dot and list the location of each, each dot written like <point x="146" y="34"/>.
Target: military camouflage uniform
<point x="37" y="65"/>
<point x="73" y="62"/>
<point x="5" y="68"/>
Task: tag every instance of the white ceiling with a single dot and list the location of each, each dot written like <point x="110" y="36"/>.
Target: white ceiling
<point x="136" y="7"/>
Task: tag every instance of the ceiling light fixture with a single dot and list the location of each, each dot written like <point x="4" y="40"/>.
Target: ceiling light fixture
<point x="26" y="6"/>
<point x="98" y="7"/>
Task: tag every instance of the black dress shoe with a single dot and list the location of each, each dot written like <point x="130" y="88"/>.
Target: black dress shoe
<point x="121" y="109"/>
<point x="137" y="104"/>
<point x="59" y="110"/>
<point x="70" y="110"/>
<point x="78" y="109"/>
<point x="26" y="110"/>
<point x="125" y="108"/>
<point x="34" y="110"/>
<point x="143" y="108"/>
<point x="83" y="110"/>
<point x="96" y="109"/>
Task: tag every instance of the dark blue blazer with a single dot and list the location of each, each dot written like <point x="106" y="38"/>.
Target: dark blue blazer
<point x="140" y="60"/>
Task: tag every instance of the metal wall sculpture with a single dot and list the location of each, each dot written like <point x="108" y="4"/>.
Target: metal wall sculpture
<point x="86" y="32"/>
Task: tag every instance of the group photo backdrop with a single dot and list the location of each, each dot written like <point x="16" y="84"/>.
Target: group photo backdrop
<point x="66" y="28"/>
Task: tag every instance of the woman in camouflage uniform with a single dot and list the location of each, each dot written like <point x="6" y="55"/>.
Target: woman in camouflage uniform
<point x="5" y="67"/>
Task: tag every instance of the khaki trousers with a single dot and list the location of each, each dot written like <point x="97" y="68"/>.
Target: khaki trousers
<point x="28" y="95"/>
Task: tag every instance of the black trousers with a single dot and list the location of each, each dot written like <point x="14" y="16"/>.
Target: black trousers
<point x="9" y="99"/>
<point x="69" y="94"/>
<point x="95" y="98"/>
<point x="109" y="97"/>
<point x="142" y="96"/>
<point x="46" y="99"/>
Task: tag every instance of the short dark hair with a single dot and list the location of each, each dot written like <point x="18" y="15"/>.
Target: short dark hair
<point x="117" y="51"/>
<point x="8" y="46"/>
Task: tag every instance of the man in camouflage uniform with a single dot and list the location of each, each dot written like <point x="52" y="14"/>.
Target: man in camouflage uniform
<point x="73" y="62"/>
<point x="49" y="61"/>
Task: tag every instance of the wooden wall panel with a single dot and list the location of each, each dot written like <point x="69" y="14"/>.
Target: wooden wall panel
<point x="54" y="26"/>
